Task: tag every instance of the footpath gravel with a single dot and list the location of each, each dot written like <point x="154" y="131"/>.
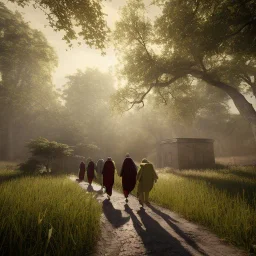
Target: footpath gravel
<point x="130" y="230"/>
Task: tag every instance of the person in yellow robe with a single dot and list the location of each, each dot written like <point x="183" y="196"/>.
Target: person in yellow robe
<point x="146" y="178"/>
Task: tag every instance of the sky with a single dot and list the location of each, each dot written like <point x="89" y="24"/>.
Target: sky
<point x="80" y="57"/>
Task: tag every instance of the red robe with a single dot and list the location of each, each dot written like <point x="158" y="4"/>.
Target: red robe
<point x="108" y="176"/>
<point x="90" y="171"/>
<point x="81" y="171"/>
<point x="128" y="174"/>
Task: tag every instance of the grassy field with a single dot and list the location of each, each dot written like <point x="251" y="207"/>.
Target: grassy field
<point x="223" y="200"/>
<point x="46" y="216"/>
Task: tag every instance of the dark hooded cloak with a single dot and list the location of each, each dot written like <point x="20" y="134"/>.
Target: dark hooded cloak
<point x="128" y="174"/>
<point x="81" y="171"/>
<point x="108" y="176"/>
<point x="90" y="171"/>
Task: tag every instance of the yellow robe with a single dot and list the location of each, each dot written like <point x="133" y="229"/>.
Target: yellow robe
<point x="146" y="177"/>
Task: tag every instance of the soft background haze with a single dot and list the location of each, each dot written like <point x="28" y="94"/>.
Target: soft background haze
<point x="78" y="57"/>
<point x="81" y="57"/>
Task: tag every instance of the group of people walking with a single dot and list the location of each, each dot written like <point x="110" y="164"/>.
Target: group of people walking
<point x="144" y="174"/>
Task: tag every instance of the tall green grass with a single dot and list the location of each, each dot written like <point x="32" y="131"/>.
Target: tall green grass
<point x="47" y="216"/>
<point x="209" y="198"/>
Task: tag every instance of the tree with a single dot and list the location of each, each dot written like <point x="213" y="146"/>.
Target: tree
<point x="80" y="18"/>
<point x="46" y="151"/>
<point x="190" y="41"/>
<point x="86" y="96"/>
<point x="26" y="65"/>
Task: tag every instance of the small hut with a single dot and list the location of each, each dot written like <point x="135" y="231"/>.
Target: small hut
<point x="186" y="153"/>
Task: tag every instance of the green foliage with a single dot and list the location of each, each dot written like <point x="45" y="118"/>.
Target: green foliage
<point x="222" y="200"/>
<point x="27" y="94"/>
<point x="43" y="153"/>
<point x="48" y="216"/>
<point x="86" y="149"/>
<point x="48" y="149"/>
<point x="76" y="19"/>
<point x="26" y="64"/>
<point x="188" y="42"/>
<point x="86" y="96"/>
<point x="91" y="88"/>
<point x="32" y="165"/>
<point x="8" y="171"/>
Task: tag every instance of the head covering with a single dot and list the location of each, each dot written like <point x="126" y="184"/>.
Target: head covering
<point x="144" y="160"/>
<point x="109" y="158"/>
<point x="127" y="155"/>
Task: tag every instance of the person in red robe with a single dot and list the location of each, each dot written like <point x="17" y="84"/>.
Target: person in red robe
<point x="81" y="171"/>
<point x="128" y="174"/>
<point x="90" y="171"/>
<point x="108" y="173"/>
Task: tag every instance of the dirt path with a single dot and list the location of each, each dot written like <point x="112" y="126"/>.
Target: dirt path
<point x="128" y="229"/>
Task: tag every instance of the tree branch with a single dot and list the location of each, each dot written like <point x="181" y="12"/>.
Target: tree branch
<point x="142" y="42"/>
<point x="241" y="28"/>
<point x="244" y="107"/>
<point x="248" y="80"/>
<point x="197" y="6"/>
<point x="165" y="84"/>
<point x="141" y="99"/>
<point x="156" y="84"/>
<point x="161" y="95"/>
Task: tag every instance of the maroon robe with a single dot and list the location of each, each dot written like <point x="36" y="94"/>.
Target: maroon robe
<point x="108" y="176"/>
<point x="90" y="171"/>
<point x="128" y="174"/>
<point x="81" y="171"/>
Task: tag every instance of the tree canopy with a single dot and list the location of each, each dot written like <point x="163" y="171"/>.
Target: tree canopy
<point x="86" y="96"/>
<point x="48" y="149"/>
<point x="80" y="18"/>
<point x="189" y="41"/>
<point x="26" y="65"/>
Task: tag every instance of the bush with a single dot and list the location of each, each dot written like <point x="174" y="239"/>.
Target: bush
<point x="31" y="166"/>
<point x="44" y="152"/>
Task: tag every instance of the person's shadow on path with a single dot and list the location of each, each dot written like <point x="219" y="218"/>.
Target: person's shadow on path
<point x="170" y="221"/>
<point x="92" y="190"/>
<point x="155" y="238"/>
<point x="113" y="215"/>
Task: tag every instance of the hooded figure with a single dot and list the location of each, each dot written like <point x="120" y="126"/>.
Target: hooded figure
<point x="108" y="173"/>
<point x="128" y="174"/>
<point x="90" y="171"/>
<point x="81" y="171"/>
<point x="99" y="169"/>
<point x="146" y="177"/>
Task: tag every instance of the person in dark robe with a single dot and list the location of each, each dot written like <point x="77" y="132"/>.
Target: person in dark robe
<point x="108" y="173"/>
<point x="99" y="169"/>
<point x="90" y="171"/>
<point x="128" y="174"/>
<point x="81" y="171"/>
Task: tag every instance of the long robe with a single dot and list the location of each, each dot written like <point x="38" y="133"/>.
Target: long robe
<point x="100" y="165"/>
<point x="99" y="169"/>
<point x="90" y="171"/>
<point x="108" y="176"/>
<point x="146" y="177"/>
<point x="81" y="171"/>
<point x="128" y="174"/>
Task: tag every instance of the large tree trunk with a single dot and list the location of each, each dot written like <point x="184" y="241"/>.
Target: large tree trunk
<point x="244" y="107"/>
<point x="254" y="130"/>
<point x="9" y="139"/>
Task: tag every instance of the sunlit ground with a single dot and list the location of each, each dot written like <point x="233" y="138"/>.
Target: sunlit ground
<point x="223" y="200"/>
